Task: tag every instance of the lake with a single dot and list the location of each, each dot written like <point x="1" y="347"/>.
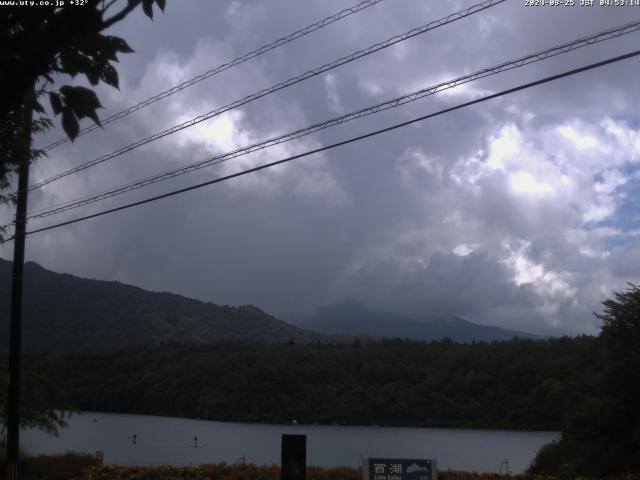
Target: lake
<point x="165" y="440"/>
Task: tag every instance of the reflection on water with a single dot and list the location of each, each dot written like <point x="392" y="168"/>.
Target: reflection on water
<point x="148" y="440"/>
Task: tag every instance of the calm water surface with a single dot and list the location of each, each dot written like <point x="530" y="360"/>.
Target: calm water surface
<point x="163" y="440"/>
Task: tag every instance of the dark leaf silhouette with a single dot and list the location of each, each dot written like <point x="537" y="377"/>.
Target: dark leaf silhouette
<point x="147" y="7"/>
<point x="83" y="101"/>
<point x="56" y="102"/>
<point x="110" y="76"/>
<point x="70" y="123"/>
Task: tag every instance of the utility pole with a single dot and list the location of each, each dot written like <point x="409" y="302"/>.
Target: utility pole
<point x="15" y="327"/>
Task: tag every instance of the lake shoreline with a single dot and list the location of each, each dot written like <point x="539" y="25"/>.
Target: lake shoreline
<point x="146" y="440"/>
<point x="435" y="426"/>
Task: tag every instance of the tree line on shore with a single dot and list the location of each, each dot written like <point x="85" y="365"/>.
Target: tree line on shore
<point x="521" y="384"/>
<point x="587" y="387"/>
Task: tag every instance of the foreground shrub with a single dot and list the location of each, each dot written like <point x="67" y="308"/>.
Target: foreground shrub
<point x="223" y="471"/>
<point x="74" y="466"/>
<point x="69" y="466"/>
<point x="220" y="471"/>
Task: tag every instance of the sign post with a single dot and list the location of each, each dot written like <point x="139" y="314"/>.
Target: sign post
<point x="294" y="457"/>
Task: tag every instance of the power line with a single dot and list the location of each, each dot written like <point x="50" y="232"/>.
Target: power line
<point x="279" y="86"/>
<point x="344" y="142"/>
<point x="388" y="104"/>
<point x="221" y="68"/>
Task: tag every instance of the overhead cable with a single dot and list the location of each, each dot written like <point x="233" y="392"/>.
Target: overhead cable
<point x="279" y="86"/>
<point x="221" y="68"/>
<point x="388" y="104"/>
<point x="341" y="143"/>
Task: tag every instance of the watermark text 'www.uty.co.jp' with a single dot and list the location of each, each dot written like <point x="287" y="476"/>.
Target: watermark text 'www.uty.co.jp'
<point x="42" y="3"/>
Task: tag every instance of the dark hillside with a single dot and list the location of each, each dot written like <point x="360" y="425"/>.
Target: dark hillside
<point x="64" y="312"/>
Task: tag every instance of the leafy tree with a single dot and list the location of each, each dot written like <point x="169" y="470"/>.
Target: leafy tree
<point x="620" y="338"/>
<point x="39" y="44"/>
<point x="38" y="395"/>
<point x="602" y="436"/>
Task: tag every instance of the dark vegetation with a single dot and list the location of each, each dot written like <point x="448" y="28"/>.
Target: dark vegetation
<point x="82" y="467"/>
<point x="517" y="384"/>
<point x="40" y="45"/>
<point x="69" y="466"/>
<point x="588" y="387"/>
<point x="37" y="394"/>
<point x="63" y="312"/>
<point x="601" y="436"/>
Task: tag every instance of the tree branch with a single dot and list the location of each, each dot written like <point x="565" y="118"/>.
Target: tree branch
<point x="121" y="14"/>
<point x="107" y="6"/>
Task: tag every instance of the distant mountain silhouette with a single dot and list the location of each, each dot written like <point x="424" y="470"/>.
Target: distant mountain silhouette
<point x="352" y="318"/>
<point x="64" y="312"/>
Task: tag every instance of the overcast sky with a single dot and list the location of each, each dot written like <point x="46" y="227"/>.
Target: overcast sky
<point x="520" y="212"/>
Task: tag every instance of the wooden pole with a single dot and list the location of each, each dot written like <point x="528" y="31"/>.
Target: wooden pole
<point x="15" y="328"/>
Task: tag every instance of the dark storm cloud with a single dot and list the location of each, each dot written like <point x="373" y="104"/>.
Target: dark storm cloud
<point x="494" y="212"/>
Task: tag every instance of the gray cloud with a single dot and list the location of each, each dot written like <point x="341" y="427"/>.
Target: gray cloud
<point x="503" y="212"/>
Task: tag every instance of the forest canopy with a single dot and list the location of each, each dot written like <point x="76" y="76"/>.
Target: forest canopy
<point x="516" y="384"/>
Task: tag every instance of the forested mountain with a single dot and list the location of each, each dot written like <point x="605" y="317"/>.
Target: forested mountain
<point x="118" y="348"/>
<point x="63" y="312"/>
<point x="352" y="318"/>
<point x="515" y="384"/>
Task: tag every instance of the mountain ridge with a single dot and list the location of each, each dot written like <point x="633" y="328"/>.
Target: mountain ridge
<point x="352" y="318"/>
<point x="66" y="312"/>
